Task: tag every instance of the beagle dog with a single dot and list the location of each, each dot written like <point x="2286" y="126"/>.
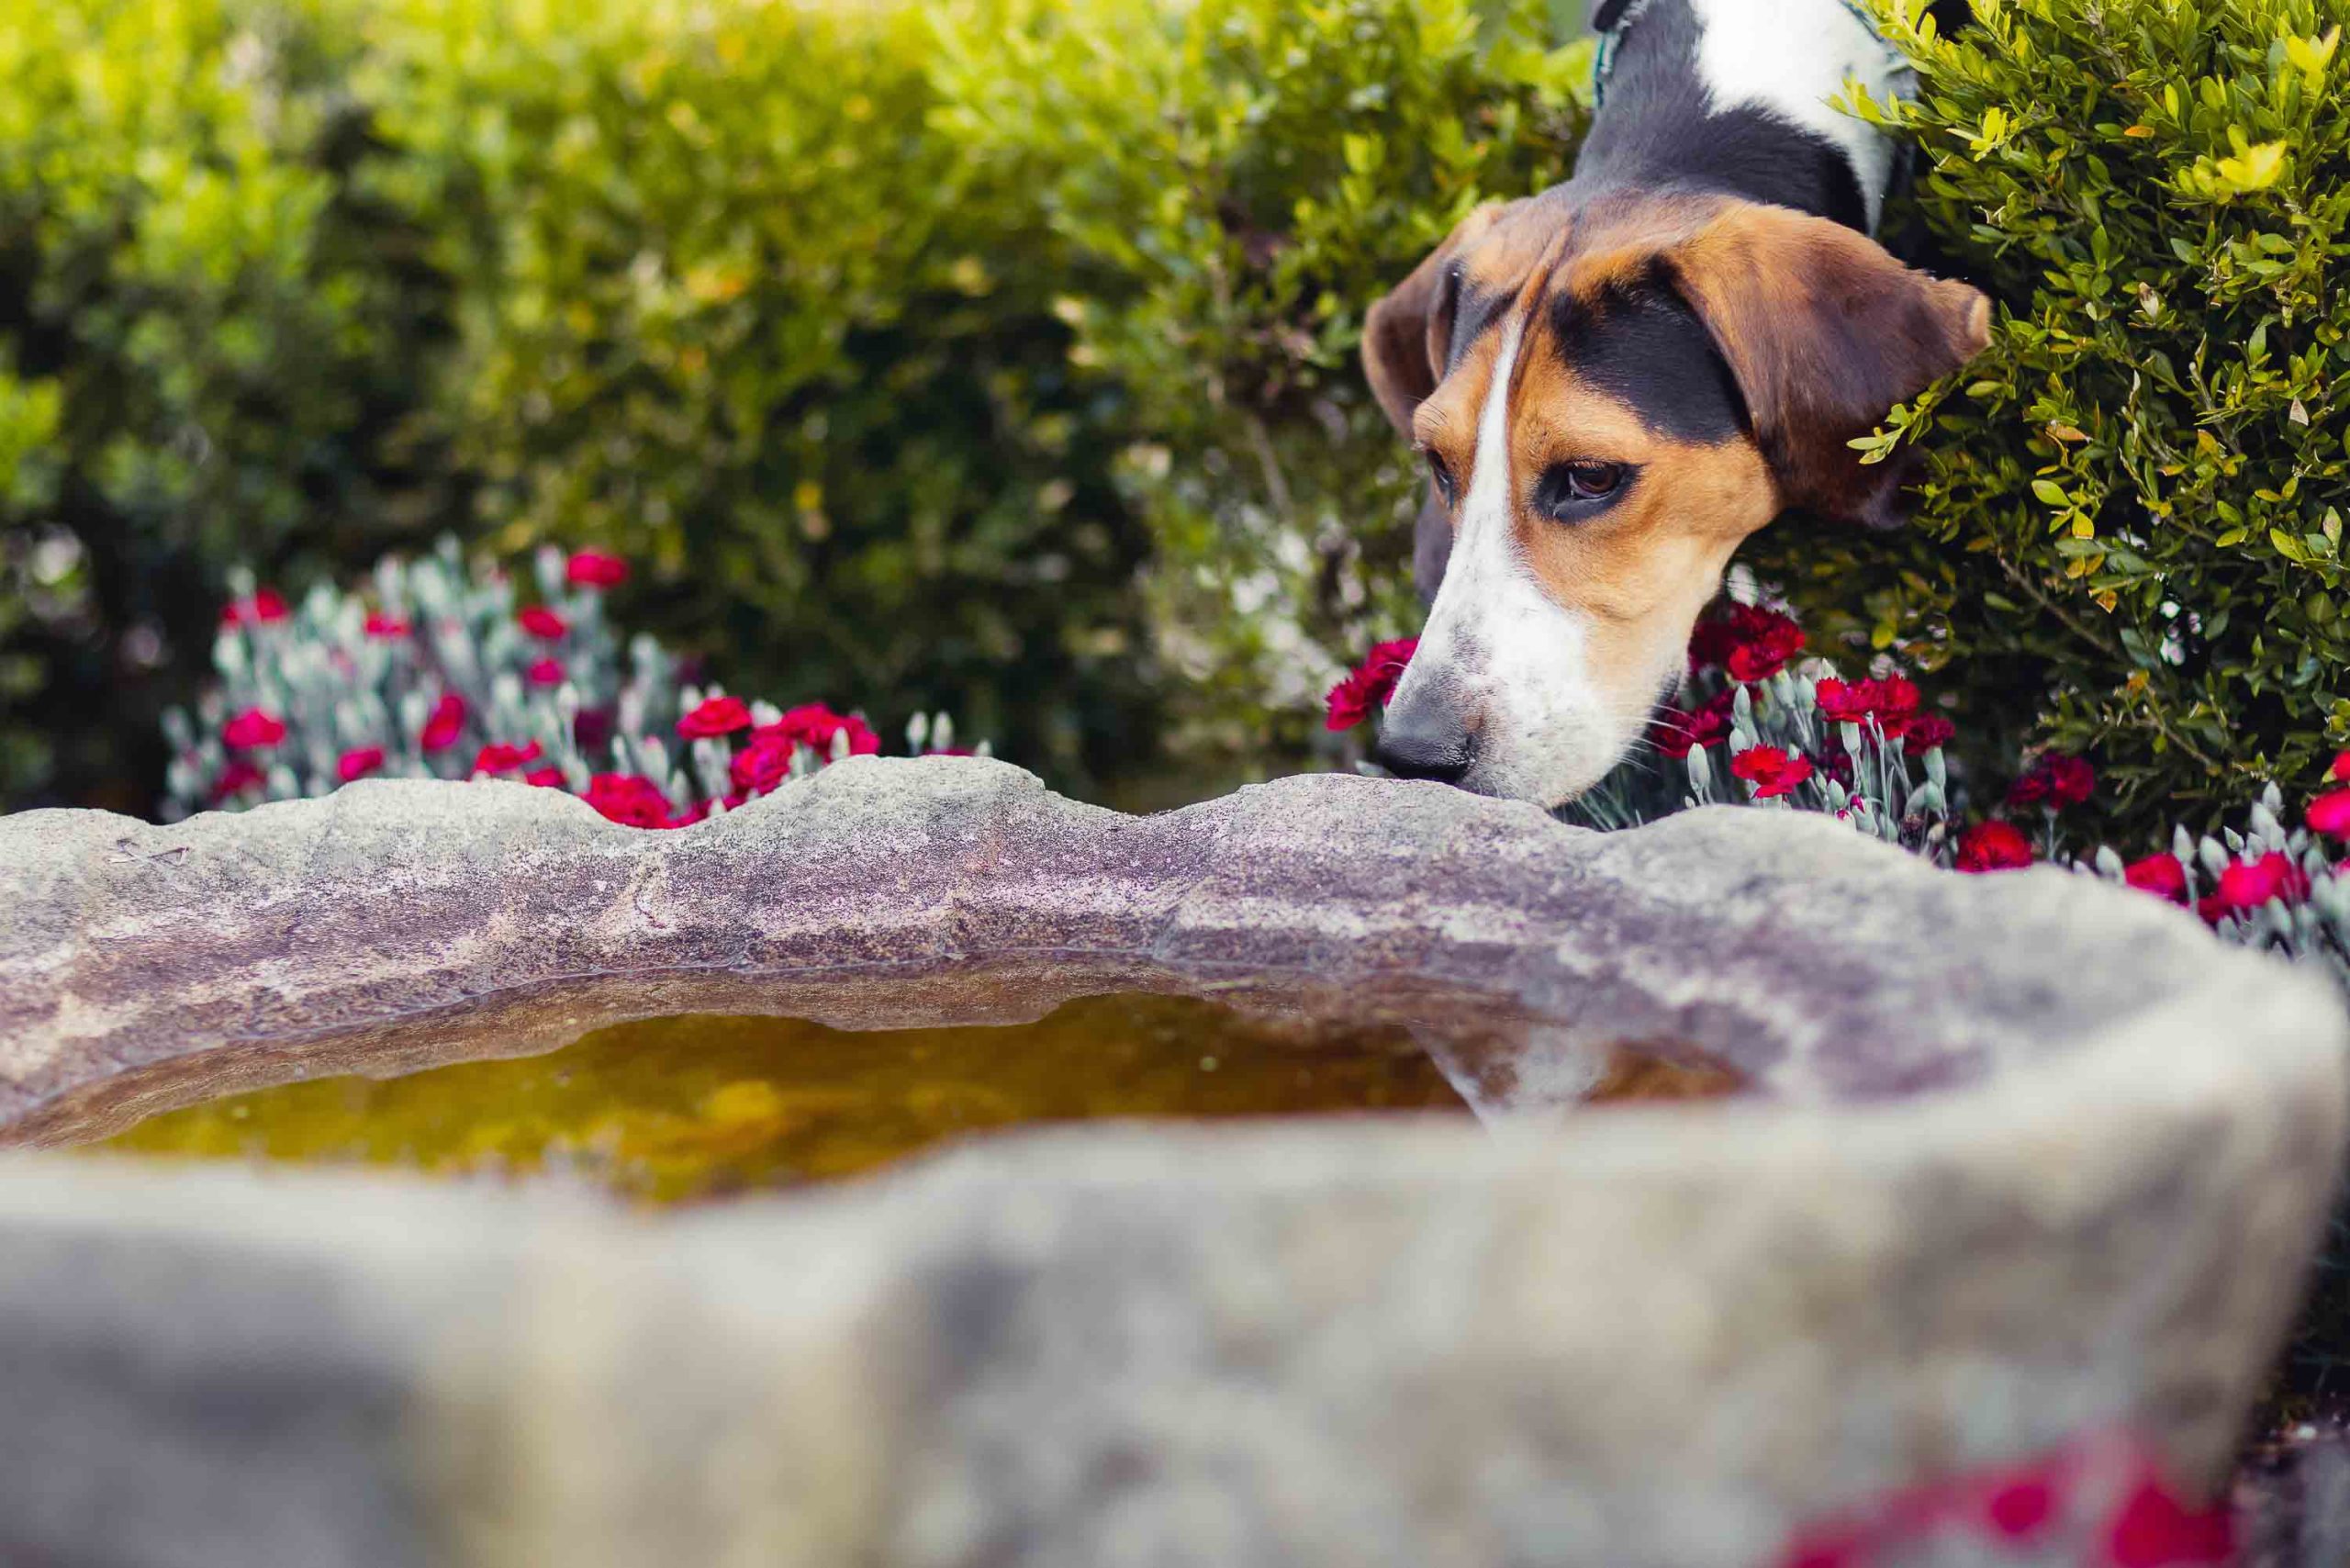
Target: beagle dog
<point x="1615" y="382"/>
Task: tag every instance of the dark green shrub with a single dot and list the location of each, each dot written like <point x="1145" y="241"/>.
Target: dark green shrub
<point x="2130" y="540"/>
<point x="730" y="305"/>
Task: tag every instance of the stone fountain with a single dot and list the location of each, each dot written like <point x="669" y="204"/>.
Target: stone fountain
<point x="2031" y="1157"/>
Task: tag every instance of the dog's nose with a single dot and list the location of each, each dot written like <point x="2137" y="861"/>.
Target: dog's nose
<point x="1425" y="740"/>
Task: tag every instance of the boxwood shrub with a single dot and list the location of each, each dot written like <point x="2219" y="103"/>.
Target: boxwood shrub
<point x="2131" y="544"/>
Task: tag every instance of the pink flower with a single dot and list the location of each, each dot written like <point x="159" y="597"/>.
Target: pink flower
<point x="543" y="623"/>
<point x="2160" y="875"/>
<point x="1926" y="733"/>
<point x="545" y="672"/>
<point x="358" y="763"/>
<point x="596" y="569"/>
<point x="1369" y="684"/>
<point x="1993" y="846"/>
<point x="1676" y="732"/>
<point x="264" y="608"/>
<point x="2245" y="885"/>
<point x="499" y="757"/>
<point x="549" y="777"/>
<point x="253" y="729"/>
<point x="2329" y="813"/>
<point x="2340" y="771"/>
<point x="718" y="716"/>
<point x="1772" y="770"/>
<point x="385" y="627"/>
<point x="629" y="799"/>
<point x="238" y="775"/>
<point x="445" y="722"/>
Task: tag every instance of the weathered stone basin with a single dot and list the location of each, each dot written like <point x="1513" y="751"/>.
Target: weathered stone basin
<point x="2038" y="1159"/>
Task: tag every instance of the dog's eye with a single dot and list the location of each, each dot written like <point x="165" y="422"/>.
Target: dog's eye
<point x="1591" y="481"/>
<point x="1441" y="472"/>
<point x="1574" y="491"/>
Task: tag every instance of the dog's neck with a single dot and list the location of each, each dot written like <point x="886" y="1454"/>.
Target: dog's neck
<point x="1733" y="96"/>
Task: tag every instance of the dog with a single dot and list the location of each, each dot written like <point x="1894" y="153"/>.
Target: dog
<point x="1615" y="382"/>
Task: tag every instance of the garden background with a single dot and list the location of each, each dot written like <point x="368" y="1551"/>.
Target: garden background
<point x="998" y="356"/>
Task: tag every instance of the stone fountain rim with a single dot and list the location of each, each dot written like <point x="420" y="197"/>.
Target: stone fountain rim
<point x="2231" y="989"/>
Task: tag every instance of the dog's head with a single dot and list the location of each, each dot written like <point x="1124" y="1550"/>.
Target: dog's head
<point x="1609" y="396"/>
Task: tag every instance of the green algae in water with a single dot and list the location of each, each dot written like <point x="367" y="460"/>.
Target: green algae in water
<point x="670" y="1110"/>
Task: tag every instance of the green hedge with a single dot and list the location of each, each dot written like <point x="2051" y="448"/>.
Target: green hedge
<point x="211" y="346"/>
<point x="2131" y="546"/>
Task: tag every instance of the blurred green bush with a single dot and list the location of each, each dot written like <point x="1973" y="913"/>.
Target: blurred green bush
<point x="213" y="346"/>
<point x="2131" y="544"/>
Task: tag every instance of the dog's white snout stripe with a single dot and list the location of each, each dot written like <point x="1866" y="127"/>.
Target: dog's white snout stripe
<point x="1495" y="641"/>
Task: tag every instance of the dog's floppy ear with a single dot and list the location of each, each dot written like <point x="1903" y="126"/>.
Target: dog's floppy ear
<point x="1824" y="332"/>
<point x="1407" y="336"/>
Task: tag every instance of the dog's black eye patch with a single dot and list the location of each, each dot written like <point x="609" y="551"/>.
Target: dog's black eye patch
<point x="1640" y="343"/>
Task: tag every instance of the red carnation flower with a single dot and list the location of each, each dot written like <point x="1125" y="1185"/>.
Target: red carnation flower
<point x="1712" y="641"/>
<point x="2160" y="875"/>
<point x="549" y="777"/>
<point x="1993" y="846"/>
<point x="1677" y="732"/>
<point x="629" y="799"/>
<point x="252" y="728"/>
<point x="1925" y="732"/>
<point x="2021" y="1508"/>
<point x="2154" y="1529"/>
<point x="499" y="757"/>
<point x="813" y="725"/>
<point x="546" y="672"/>
<point x="596" y="569"/>
<point x="718" y="716"/>
<point x="2340" y="771"/>
<point x="266" y="606"/>
<point x="237" y="776"/>
<point x="358" y="763"/>
<point x="446" y="721"/>
<point x="2246" y="885"/>
<point x="1766" y="655"/>
<point x="1369" y="684"/>
<point x="2055" y="781"/>
<point x="760" y="765"/>
<point x="2331" y="813"/>
<point x="542" y="623"/>
<point x="1845" y="701"/>
<point x="383" y="626"/>
<point x="1892" y="702"/>
<point x="1752" y="643"/>
<point x="1772" y="770"/>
